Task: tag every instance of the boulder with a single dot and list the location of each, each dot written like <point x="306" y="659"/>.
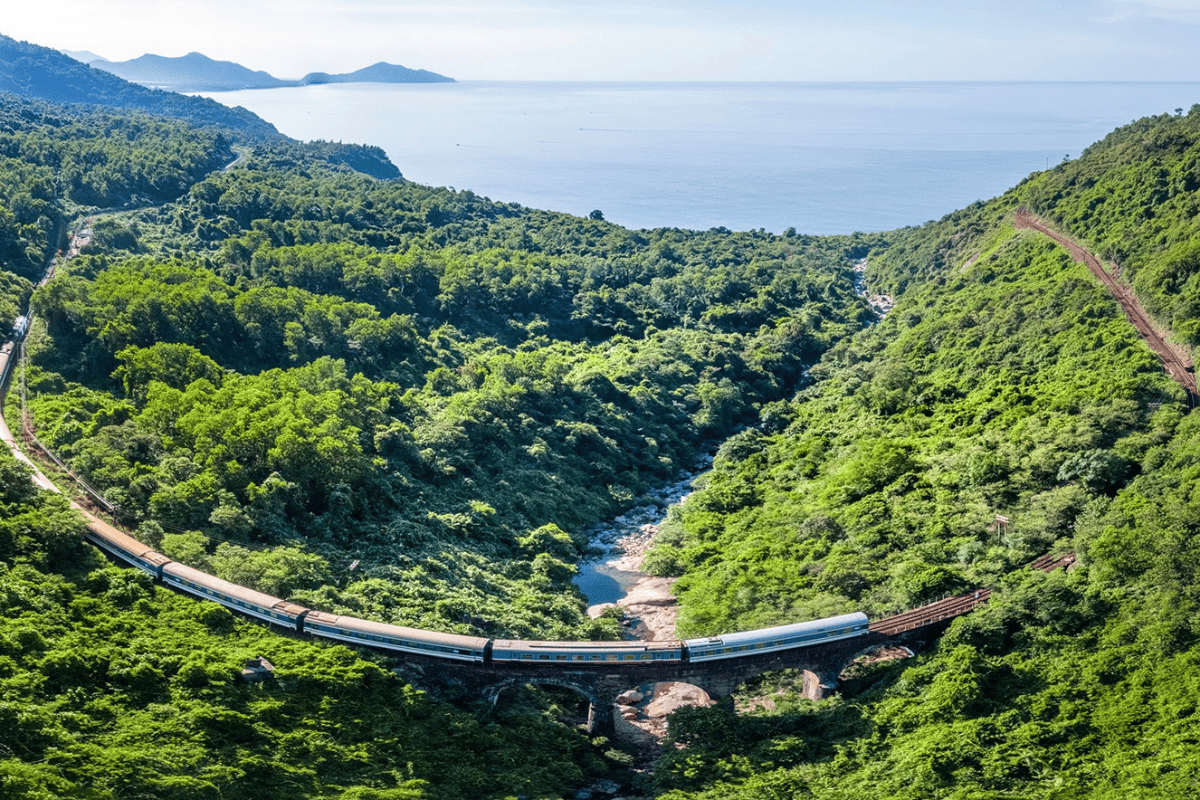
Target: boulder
<point x="676" y="696"/>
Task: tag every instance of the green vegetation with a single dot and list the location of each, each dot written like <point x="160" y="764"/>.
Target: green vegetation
<point x="285" y="367"/>
<point x="1012" y="387"/>
<point x="294" y="356"/>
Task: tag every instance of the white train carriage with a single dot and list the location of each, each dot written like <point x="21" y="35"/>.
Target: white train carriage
<point x="396" y="637"/>
<point x="782" y="637"/>
<point x="238" y="598"/>
<point x="510" y="650"/>
<point x="125" y="547"/>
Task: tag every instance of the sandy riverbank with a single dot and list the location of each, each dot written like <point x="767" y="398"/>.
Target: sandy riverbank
<point x="649" y="606"/>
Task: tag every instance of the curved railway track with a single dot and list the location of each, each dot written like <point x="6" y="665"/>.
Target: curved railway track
<point x="1176" y="362"/>
<point x="388" y="637"/>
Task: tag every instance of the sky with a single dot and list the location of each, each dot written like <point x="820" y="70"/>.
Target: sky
<point x="667" y="40"/>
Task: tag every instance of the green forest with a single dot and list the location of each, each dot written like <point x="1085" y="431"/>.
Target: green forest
<point x="290" y="367"/>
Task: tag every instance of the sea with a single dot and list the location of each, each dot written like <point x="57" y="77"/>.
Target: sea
<point x="822" y="158"/>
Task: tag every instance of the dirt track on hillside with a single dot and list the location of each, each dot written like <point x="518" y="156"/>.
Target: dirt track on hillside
<point x="1175" y="361"/>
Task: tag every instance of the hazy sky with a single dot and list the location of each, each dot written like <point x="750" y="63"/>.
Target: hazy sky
<point x="646" y="39"/>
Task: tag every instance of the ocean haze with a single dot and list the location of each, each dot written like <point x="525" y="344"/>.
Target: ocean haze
<point x="818" y="157"/>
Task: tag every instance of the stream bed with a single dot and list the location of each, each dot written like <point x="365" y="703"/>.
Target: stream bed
<point x="611" y="576"/>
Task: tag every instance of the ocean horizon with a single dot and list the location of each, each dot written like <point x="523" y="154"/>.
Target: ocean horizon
<point x="822" y="158"/>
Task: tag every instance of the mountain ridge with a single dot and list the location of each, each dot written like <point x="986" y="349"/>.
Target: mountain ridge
<point x="30" y="70"/>
<point x="196" y="72"/>
<point x="42" y="74"/>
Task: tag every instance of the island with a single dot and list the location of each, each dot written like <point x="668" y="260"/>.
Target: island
<point x="196" y="72"/>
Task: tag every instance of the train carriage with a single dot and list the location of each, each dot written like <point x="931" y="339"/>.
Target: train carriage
<point x="782" y="637"/>
<point x="238" y="598"/>
<point x="125" y="547"/>
<point x="396" y="637"/>
<point x="511" y="650"/>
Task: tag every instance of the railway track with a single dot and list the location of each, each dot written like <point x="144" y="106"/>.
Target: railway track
<point x="957" y="605"/>
<point x="1177" y="364"/>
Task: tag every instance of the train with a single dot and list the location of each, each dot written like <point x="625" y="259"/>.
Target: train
<point x="8" y="349"/>
<point x="20" y="326"/>
<point x="460" y="647"/>
<point x="401" y="639"/>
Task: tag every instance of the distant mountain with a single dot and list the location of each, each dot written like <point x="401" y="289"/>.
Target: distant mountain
<point x="196" y="72"/>
<point x="86" y="56"/>
<point x="381" y="72"/>
<point x="29" y="70"/>
<point x="39" y="73"/>
<point x="191" y="73"/>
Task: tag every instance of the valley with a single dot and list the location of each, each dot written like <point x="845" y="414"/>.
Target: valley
<point x="414" y="405"/>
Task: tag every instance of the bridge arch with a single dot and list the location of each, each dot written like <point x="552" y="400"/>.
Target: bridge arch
<point x="599" y="704"/>
<point x="876" y="646"/>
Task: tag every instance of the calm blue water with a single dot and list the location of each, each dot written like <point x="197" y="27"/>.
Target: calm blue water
<point x="819" y="157"/>
<point x="600" y="582"/>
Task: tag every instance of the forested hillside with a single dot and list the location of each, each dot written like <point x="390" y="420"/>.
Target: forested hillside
<point x="441" y="387"/>
<point x="111" y="687"/>
<point x="1005" y="384"/>
<point x="35" y="72"/>
<point x="285" y="368"/>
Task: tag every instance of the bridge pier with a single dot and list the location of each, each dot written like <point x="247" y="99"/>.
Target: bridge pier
<point x="600" y="719"/>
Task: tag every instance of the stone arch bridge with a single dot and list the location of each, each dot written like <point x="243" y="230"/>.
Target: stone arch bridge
<point x="601" y="683"/>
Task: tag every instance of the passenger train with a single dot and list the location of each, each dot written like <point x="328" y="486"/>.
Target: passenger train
<point x="458" y="647"/>
<point x="452" y="646"/>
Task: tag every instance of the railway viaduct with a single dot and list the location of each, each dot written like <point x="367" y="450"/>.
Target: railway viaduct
<point x="601" y="683"/>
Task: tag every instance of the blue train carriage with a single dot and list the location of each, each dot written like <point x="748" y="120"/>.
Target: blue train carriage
<point x="396" y="637"/>
<point x="125" y="547"/>
<point x="513" y="650"/>
<point x="238" y="598"/>
<point x="782" y="637"/>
